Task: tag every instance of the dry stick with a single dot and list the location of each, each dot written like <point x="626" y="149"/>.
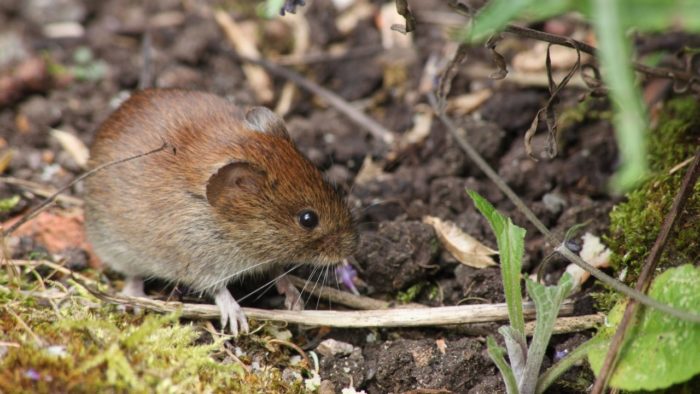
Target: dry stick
<point x="46" y="263"/>
<point x="429" y="316"/>
<point x="347" y="299"/>
<point x="647" y="273"/>
<point x="326" y="57"/>
<point x="399" y="317"/>
<point x="44" y="204"/>
<point x="569" y="324"/>
<point x="583" y="47"/>
<point x="358" y="117"/>
<point x="146" y="74"/>
<point x="551" y="238"/>
<point x="40" y="190"/>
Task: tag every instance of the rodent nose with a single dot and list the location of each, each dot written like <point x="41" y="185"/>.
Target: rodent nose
<point x="341" y="244"/>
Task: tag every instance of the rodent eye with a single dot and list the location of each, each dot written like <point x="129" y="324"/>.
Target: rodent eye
<point x="308" y="219"/>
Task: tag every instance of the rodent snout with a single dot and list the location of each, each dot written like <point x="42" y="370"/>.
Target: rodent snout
<point x="338" y="246"/>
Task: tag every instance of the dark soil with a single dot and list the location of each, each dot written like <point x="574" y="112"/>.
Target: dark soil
<point x="397" y="250"/>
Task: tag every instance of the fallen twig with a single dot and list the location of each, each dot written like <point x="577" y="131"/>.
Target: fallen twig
<point x="345" y="298"/>
<point x="358" y="117"/>
<point x="647" y="273"/>
<point x="46" y="263"/>
<point x="398" y="317"/>
<point x="41" y="190"/>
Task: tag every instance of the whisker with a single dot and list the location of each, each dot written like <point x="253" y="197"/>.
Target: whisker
<point x="273" y="281"/>
<point x="315" y="284"/>
<point x="228" y="278"/>
<point x="323" y="283"/>
<point x="305" y="284"/>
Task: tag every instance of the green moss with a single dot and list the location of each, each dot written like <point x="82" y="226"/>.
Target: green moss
<point x="635" y="224"/>
<point x="74" y="343"/>
<point x="404" y="297"/>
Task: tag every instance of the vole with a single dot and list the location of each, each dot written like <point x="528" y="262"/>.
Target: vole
<point x="233" y="197"/>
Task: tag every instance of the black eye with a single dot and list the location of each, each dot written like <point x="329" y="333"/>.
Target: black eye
<point x="308" y="219"/>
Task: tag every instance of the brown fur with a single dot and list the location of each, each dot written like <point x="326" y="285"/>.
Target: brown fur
<point x="178" y="217"/>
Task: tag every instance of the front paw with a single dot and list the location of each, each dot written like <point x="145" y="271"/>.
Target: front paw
<point x="292" y="296"/>
<point x="232" y="314"/>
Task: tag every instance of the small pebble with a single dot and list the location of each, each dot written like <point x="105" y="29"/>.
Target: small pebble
<point x="331" y="347"/>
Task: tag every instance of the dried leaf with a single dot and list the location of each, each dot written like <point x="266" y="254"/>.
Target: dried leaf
<point x="368" y="172"/>
<point x="387" y="20"/>
<point x="450" y="72"/>
<point x="498" y="59"/>
<point x="468" y="103"/>
<point x="5" y="159"/>
<point x="73" y="146"/>
<point x="563" y="58"/>
<point x="422" y="122"/>
<point x="245" y="45"/>
<point x="465" y="248"/>
<point x="548" y="109"/>
<point x="403" y="10"/>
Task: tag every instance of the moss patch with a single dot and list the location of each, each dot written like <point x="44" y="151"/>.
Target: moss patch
<point x="634" y="224"/>
<point x="57" y="338"/>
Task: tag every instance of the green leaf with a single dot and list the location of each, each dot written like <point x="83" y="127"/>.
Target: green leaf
<point x="497" y="355"/>
<point x="655" y="15"/>
<point x="511" y="244"/>
<point x="548" y="301"/>
<point x="659" y="350"/>
<point x="6" y="204"/>
<point x="498" y="13"/>
<point x="630" y="117"/>
<point x="272" y="8"/>
<point x="516" y="345"/>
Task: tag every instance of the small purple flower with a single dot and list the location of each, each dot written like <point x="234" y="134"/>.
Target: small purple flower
<point x="559" y="354"/>
<point x="32" y="374"/>
<point x="346" y="274"/>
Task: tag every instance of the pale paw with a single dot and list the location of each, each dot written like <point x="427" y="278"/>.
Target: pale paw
<point x="133" y="287"/>
<point x="231" y="313"/>
<point x="292" y="296"/>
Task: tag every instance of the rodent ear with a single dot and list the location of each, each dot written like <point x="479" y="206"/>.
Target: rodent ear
<point x="265" y="121"/>
<point x="232" y="180"/>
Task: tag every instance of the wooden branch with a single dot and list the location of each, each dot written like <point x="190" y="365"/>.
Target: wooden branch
<point x="398" y="317"/>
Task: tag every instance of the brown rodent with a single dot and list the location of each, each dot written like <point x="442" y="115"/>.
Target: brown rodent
<point x="234" y="197"/>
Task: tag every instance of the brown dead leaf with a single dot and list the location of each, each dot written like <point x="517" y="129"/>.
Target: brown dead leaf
<point x="5" y="159"/>
<point x="387" y="18"/>
<point x="368" y="172"/>
<point x="465" y="248"/>
<point x="73" y="146"/>
<point x="533" y="60"/>
<point x="467" y="103"/>
<point x="244" y="43"/>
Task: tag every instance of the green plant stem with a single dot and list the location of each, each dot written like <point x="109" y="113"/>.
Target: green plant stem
<point x="563" y="365"/>
<point x="630" y="117"/>
<point x="496" y="353"/>
<point x="561" y="249"/>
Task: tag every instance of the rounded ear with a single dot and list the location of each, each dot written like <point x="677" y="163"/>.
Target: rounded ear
<point x="234" y="180"/>
<point x="263" y="120"/>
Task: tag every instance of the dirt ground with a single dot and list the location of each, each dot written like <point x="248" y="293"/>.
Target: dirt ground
<point x="75" y="79"/>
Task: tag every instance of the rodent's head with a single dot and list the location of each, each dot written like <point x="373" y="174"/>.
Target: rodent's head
<point x="276" y="202"/>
